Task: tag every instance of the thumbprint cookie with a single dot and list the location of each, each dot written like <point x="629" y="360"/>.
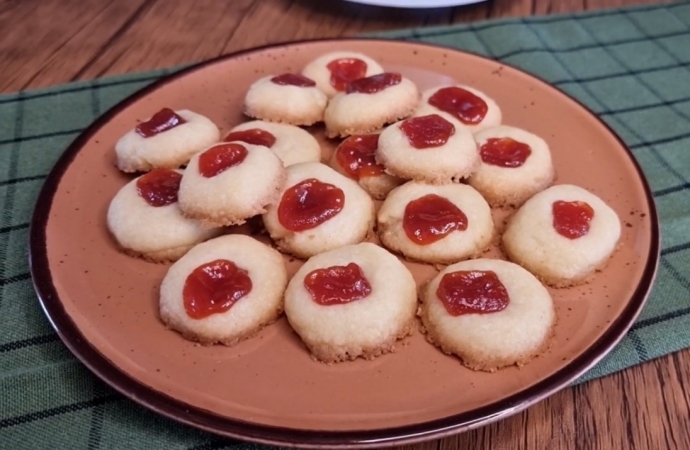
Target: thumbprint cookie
<point x="438" y="224"/>
<point x="224" y="290"/>
<point x="428" y="148"/>
<point x="292" y="144"/>
<point x="562" y="235"/>
<point x="167" y="140"/>
<point x="287" y="98"/>
<point x="333" y="71"/>
<point x="490" y="313"/>
<point x="356" y="157"/>
<point x="145" y="218"/>
<point x="515" y="165"/>
<point x="231" y="182"/>
<point x="318" y="210"/>
<point x="463" y="105"/>
<point x="369" y="103"/>
<point x="355" y="301"/>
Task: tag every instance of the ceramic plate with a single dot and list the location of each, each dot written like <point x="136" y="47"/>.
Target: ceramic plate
<point x="416" y="4"/>
<point x="267" y="389"/>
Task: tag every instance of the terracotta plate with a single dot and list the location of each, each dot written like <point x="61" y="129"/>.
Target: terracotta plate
<point x="104" y="304"/>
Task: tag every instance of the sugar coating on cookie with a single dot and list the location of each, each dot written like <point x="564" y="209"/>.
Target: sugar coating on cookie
<point x="144" y="218"/>
<point x="370" y="103"/>
<point x="318" y="210"/>
<point x="451" y="155"/>
<point x="231" y="182"/>
<point x="464" y="105"/>
<point x="356" y="158"/>
<point x="514" y="165"/>
<point x="355" y="301"/>
<point x="286" y="98"/>
<point x="562" y="235"/>
<point x="292" y="144"/>
<point x="490" y="313"/>
<point x="167" y="140"/>
<point x="333" y="71"/>
<point x="439" y="224"/>
<point x="224" y="290"/>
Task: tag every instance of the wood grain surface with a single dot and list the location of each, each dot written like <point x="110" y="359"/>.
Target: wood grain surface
<point x="46" y="42"/>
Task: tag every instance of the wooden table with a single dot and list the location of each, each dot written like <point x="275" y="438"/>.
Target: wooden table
<point x="45" y="42"/>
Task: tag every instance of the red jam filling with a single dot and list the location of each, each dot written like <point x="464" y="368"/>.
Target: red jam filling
<point x="163" y="120"/>
<point x="374" y="83"/>
<point x="337" y="284"/>
<point x="472" y="292"/>
<point x="159" y="187"/>
<point x="427" y="131"/>
<point x="308" y="204"/>
<point x="504" y="152"/>
<point x="346" y="70"/>
<point x="462" y="104"/>
<point x="571" y="219"/>
<point x="214" y="287"/>
<point x="431" y="218"/>
<point x="220" y="158"/>
<point x="356" y="155"/>
<point x="254" y="136"/>
<point x="293" y="79"/>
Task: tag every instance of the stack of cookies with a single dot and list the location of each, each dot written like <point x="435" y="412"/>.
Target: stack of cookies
<point x="414" y="176"/>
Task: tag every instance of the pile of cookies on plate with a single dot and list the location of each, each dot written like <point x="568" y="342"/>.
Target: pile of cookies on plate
<point x="439" y="161"/>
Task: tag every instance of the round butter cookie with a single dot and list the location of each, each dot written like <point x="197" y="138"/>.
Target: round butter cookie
<point x="515" y="165"/>
<point x="355" y="301"/>
<point x="224" y="290"/>
<point x="288" y="98"/>
<point x="562" y="235"/>
<point x="356" y="157"/>
<point x="145" y="219"/>
<point x="463" y="105"/>
<point x="429" y="149"/>
<point x="369" y="103"/>
<point x="292" y="144"/>
<point x="333" y="71"/>
<point x="318" y="210"/>
<point x="167" y="140"/>
<point x="488" y="312"/>
<point x="231" y="182"/>
<point x="435" y="224"/>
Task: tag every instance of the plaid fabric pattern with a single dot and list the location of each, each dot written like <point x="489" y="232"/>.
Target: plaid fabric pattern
<point x="631" y="66"/>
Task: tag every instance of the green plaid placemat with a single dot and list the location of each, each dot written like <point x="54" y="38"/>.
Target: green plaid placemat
<point x="631" y="66"/>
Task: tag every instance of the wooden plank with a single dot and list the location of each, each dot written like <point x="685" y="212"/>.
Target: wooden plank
<point x="73" y="39"/>
<point x="170" y="33"/>
<point x="281" y="20"/>
<point x="47" y="42"/>
<point x="644" y="407"/>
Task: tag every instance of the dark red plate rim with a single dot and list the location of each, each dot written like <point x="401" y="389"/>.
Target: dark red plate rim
<point x="235" y="428"/>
